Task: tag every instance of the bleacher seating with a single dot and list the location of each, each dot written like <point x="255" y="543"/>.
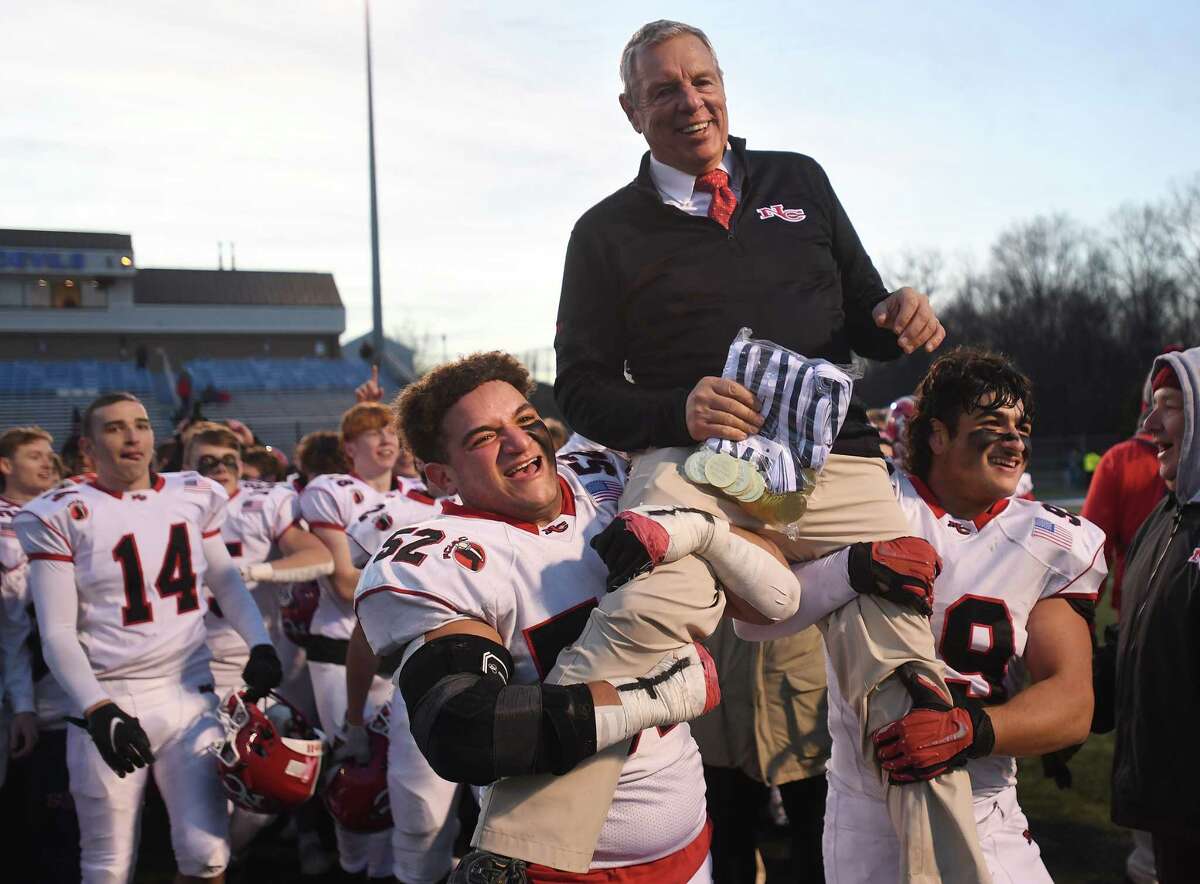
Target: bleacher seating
<point x="281" y="399"/>
<point x="82" y="376"/>
<point x="53" y="412"/>
<point x="235" y="375"/>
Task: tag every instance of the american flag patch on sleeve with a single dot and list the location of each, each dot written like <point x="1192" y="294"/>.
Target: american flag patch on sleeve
<point x="603" y="490"/>
<point x="1047" y="530"/>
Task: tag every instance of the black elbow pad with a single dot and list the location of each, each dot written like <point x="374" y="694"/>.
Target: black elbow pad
<point x="474" y="727"/>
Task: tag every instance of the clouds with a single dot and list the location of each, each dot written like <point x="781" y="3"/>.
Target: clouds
<point x="497" y="125"/>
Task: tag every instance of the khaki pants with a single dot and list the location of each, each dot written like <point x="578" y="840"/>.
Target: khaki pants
<point x="555" y="821"/>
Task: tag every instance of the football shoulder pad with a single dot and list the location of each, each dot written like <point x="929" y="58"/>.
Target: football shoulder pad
<point x="1069" y="546"/>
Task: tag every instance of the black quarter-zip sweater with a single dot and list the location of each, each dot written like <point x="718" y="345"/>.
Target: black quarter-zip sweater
<point x="654" y="291"/>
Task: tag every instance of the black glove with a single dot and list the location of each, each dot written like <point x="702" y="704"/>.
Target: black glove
<point x="936" y="736"/>
<point x="263" y="672"/>
<point x="901" y="570"/>
<point x="120" y="739"/>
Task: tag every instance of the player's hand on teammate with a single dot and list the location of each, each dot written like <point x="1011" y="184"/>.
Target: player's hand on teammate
<point x="936" y="736"/>
<point x="353" y="745"/>
<point x="23" y="734"/>
<point x="119" y="738"/>
<point x="721" y="408"/>
<point x="263" y="672"/>
<point x="369" y="390"/>
<point x="901" y="570"/>
<point x="909" y="315"/>
<point x="640" y="538"/>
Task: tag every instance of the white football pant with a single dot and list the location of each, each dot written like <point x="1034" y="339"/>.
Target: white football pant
<point x="181" y="724"/>
<point x="860" y="844"/>
<point x="424" y="807"/>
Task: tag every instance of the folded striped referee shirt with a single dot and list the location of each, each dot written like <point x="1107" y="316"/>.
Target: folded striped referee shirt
<point x="802" y="401"/>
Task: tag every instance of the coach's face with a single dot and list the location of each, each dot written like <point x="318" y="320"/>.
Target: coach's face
<point x="498" y="455"/>
<point x="121" y="443"/>
<point x="1165" y="423"/>
<point x="677" y="101"/>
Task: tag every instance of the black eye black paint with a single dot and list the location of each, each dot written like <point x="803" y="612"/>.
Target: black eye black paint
<point x="541" y="435"/>
<point x="981" y="440"/>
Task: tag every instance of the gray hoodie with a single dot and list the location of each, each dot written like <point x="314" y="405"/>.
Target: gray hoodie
<point x="1156" y="782"/>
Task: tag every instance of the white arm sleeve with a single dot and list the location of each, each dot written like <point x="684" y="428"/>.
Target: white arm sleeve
<point x="56" y="600"/>
<point x="223" y="579"/>
<point x="265" y="572"/>
<point x="826" y="588"/>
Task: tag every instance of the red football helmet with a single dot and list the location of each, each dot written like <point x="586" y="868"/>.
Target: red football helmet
<point x="899" y="414"/>
<point x="297" y="606"/>
<point x="270" y="760"/>
<point x="357" y="794"/>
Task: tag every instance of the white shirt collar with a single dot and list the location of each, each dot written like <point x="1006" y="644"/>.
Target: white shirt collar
<point x="678" y="187"/>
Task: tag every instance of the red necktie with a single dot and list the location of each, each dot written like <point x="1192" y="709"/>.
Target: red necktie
<point x="724" y="202"/>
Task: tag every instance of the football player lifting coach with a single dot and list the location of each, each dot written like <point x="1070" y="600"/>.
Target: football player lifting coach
<point x="659" y="277"/>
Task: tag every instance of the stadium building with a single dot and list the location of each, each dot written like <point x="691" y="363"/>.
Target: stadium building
<point x="79" y="318"/>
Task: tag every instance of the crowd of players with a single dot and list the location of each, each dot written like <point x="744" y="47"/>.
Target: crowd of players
<point x="253" y="637"/>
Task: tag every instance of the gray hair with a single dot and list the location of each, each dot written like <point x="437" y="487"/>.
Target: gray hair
<point x="651" y="35"/>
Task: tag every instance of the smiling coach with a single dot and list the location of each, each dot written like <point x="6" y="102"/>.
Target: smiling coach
<point x="659" y="277"/>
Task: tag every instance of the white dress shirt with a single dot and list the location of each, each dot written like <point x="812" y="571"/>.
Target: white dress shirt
<point x="678" y="189"/>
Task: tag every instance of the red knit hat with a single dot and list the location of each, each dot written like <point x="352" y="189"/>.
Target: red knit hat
<point x="1165" y="377"/>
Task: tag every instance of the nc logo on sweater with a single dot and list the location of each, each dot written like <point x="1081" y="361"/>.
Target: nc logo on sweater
<point x="778" y="211"/>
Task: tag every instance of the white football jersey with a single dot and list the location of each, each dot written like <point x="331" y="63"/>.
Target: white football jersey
<point x="258" y="514"/>
<point x="377" y="524"/>
<point x="536" y="587"/>
<point x="335" y="501"/>
<point x="139" y="568"/>
<point x="994" y="570"/>
<point x="29" y="684"/>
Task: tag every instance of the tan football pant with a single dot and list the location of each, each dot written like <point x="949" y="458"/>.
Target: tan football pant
<point x="556" y="820"/>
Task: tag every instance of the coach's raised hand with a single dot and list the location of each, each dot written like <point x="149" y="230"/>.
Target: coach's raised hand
<point x="119" y="738"/>
<point x="910" y="316"/>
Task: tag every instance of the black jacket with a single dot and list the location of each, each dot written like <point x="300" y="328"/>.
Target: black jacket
<point x="654" y="291"/>
<point x="1156" y="780"/>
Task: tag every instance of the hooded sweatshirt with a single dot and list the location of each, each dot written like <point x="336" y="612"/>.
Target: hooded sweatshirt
<point x="1156" y="781"/>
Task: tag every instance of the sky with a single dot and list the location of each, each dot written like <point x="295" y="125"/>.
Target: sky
<point x="939" y="123"/>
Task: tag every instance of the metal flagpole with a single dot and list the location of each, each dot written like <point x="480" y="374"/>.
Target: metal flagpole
<point x="376" y="297"/>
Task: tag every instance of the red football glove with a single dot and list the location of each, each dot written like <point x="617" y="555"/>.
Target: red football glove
<point x="936" y="736"/>
<point x="900" y="570"/>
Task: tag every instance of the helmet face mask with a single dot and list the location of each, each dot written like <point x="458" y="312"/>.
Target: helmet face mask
<point x="267" y="763"/>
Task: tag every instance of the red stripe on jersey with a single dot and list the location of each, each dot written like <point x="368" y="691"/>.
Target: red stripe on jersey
<point x="213" y="533"/>
<point x="1086" y="595"/>
<point x="332" y="526"/>
<point x="935" y="505"/>
<point x="678" y="866"/>
<point x="451" y="508"/>
<point x="399" y="591"/>
<point x="50" y="557"/>
<point x="420" y="497"/>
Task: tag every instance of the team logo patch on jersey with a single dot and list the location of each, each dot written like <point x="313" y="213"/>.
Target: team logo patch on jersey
<point x="556" y="528"/>
<point x="78" y="510"/>
<point x="383" y="521"/>
<point x="778" y="211"/>
<point x="358" y="496"/>
<point x="467" y="553"/>
<point x="1056" y="534"/>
